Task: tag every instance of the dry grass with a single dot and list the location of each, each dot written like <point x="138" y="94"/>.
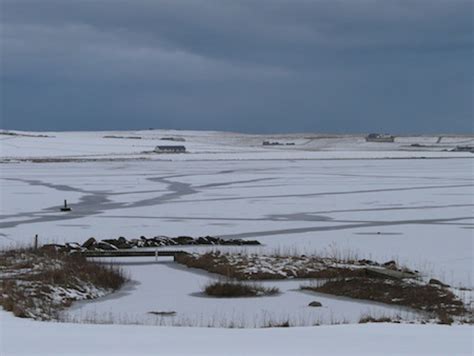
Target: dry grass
<point x="38" y="283"/>
<point x="370" y="319"/>
<point x="236" y="266"/>
<point x="77" y="267"/>
<point x="282" y="324"/>
<point x="212" y="262"/>
<point x="428" y="298"/>
<point x="231" y="289"/>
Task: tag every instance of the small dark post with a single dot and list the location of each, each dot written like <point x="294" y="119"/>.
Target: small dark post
<point x="65" y="207"/>
<point x="36" y="242"/>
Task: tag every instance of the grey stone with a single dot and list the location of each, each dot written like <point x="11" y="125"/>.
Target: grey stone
<point x="89" y="243"/>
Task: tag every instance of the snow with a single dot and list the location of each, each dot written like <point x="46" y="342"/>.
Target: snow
<point x="376" y="209"/>
<point x="26" y="337"/>
<point x="209" y="145"/>
<point x="165" y="286"/>
<point x="335" y="195"/>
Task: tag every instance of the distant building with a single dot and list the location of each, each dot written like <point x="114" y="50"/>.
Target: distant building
<point x="170" y="149"/>
<point x="376" y="137"/>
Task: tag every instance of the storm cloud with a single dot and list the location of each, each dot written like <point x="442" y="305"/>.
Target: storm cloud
<point x="251" y="66"/>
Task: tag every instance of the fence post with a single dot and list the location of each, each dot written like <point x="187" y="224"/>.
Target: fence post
<point x="36" y="242"/>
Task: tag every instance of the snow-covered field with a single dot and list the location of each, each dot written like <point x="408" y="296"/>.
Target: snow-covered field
<point x="25" y="337"/>
<point x="335" y="195"/>
<point x="210" y="145"/>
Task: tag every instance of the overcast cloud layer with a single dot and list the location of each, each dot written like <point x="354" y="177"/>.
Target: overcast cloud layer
<point x="251" y="66"/>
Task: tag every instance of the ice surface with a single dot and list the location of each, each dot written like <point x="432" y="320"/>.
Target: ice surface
<point x="165" y="286"/>
<point x="336" y="195"/>
<point x="419" y="212"/>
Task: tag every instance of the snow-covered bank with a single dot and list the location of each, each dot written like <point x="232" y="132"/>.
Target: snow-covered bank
<point x="26" y="337"/>
<point x="209" y="145"/>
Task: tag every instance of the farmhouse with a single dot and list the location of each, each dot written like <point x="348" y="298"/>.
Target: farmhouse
<point x="170" y="149"/>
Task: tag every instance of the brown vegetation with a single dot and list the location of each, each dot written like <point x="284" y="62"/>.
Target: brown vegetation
<point x="39" y="283"/>
<point x="250" y="267"/>
<point x="428" y="298"/>
<point x="370" y="319"/>
<point x="237" y="289"/>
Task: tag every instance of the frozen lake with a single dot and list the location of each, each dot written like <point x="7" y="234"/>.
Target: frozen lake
<point x="166" y="286"/>
<point x="419" y="212"/>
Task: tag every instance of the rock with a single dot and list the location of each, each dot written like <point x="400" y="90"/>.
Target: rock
<point x="366" y="262"/>
<point x="123" y="243"/>
<point x="105" y="246"/>
<point x="227" y="242"/>
<point x="89" y="243"/>
<point x="390" y="264"/>
<point x="315" y="304"/>
<point x="161" y="241"/>
<point x="213" y="240"/>
<point x="137" y="243"/>
<point x="111" y="241"/>
<point x="122" y="240"/>
<point x="437" y="282"/>
<point x="148" y="242"/>
<point x="73" y="246"/>
<point x="120" y="243"/>
<point x="183" y="240"/>
<point x="250" y="242"/>
<point x="203" y="241"/>
<point x="234" y="242"/>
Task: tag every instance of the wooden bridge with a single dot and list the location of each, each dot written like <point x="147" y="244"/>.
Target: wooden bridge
<point x="133" y="253"/>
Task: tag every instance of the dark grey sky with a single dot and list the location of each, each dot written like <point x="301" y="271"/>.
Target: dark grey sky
<point x="251" y="66"/>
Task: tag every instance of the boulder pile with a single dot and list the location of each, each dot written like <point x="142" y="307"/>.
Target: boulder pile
<point x="120" y="243"/>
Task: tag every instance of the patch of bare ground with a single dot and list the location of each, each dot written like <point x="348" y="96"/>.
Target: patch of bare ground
<point x="231" y="289"/>
<point x="38" y="284"/>
<point x="433" y="299"/>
